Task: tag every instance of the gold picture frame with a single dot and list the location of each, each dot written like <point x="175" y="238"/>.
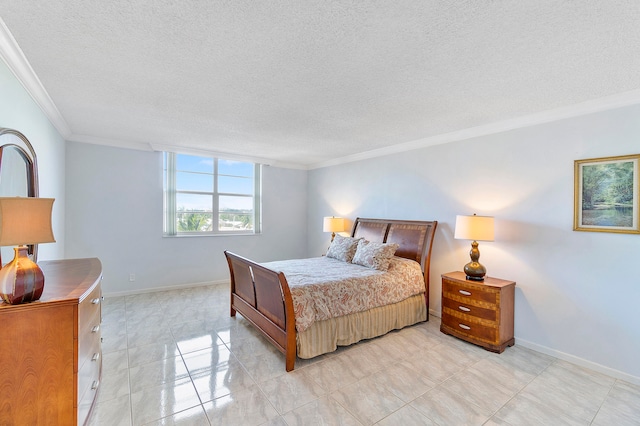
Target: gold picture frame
<point x="606" y="193"/>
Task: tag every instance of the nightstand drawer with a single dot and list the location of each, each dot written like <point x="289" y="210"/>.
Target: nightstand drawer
<point x="469" y="309"/>
<point x="469" y="328"/>
<point x="474" y="293"/>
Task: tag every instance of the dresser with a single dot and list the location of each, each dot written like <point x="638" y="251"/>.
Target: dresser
<point x="479" y="312"/>
<point x="50" y="349"/>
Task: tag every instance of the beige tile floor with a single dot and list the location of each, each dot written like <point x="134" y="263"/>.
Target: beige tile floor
<point x="177" y="358"/>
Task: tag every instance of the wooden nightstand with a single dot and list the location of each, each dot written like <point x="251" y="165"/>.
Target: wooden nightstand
<point x="479" y="312"/>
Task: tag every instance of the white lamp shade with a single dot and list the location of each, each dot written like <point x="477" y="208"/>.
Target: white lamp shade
<point x="477" y="228"/>
<point x="333" y="224"/>
<point x="25" y="220"/>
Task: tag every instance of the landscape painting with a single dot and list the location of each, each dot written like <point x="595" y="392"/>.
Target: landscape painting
<point x="606" y="194"/>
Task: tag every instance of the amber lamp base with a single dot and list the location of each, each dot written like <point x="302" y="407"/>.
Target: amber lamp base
<point x="474" y="270"/>
<point x="21" y="280"/>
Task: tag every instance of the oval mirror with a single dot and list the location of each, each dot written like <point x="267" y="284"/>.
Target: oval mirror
<point x="18" y="177"/>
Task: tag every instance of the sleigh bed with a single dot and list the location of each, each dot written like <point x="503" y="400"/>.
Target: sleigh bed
<point x="271" y="297"/>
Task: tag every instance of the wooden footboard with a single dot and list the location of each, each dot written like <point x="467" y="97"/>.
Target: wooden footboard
<point x="262" y="296"/>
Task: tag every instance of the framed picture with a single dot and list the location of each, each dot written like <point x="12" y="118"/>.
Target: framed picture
<point x="606" y="194"/>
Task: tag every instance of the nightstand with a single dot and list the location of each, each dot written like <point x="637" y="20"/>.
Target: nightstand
<point x="479" y="312"/>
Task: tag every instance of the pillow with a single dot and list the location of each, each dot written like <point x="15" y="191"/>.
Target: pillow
<point x="343" y="248"/>
<point x="374" y="255"/>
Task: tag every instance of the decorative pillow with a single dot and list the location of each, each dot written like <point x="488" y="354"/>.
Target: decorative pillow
<point x="343" y="248"/>
<point x="374" y="255"/>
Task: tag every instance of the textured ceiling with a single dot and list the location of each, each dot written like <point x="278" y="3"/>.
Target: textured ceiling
<point x="308" y="82"/>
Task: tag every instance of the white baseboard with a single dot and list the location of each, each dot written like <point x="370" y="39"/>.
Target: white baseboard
<point x="570" y="358"/>
<point x="579" y="361"/>
<point x="171" y="287"/>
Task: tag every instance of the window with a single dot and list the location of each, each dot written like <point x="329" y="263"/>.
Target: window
<point x="206" y="195"/>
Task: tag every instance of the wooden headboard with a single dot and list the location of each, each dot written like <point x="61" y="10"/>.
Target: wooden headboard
<point x="415" y="238"/>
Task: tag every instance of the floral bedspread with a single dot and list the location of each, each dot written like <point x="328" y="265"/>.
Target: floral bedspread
<point x="324" y="288"/>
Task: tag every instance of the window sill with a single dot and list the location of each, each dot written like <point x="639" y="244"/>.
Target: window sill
<point x="229" y="234"/>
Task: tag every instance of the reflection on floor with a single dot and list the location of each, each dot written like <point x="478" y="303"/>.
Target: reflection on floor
<point x="177" y="358"/>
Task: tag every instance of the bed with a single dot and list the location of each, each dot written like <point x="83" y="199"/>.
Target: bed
<point x="262" y="294"/>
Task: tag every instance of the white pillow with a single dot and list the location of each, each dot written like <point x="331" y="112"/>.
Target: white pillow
<point x="343" y="248"/>
<point x="374" y="255"/>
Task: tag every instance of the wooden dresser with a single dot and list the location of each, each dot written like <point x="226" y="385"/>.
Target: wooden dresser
<point x="479" y="312"/>
<point x="50" y="350"/>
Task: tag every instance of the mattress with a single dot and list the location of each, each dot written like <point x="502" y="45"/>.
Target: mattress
<point x="324" y="288"/>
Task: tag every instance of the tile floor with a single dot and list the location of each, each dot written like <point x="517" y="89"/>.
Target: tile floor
<point x="177" y="358"/>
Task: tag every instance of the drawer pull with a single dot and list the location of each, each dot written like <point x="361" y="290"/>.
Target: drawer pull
<point x="95" y="301"/>
<point x="95" y="357"/>
<point x="464" y="327"/>
<point x="95" y="384"/>
<point x="95" y="329"/>
<point x="464" y="292"/>
<point x="464" y="309"/>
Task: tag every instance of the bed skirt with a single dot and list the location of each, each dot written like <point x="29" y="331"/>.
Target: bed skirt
<point x="325" y="336"/>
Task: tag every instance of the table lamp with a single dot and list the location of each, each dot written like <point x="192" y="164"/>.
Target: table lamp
<point x="476" y="228"/>
<point x="23" y="220"/>
<point x="333" y="224"/>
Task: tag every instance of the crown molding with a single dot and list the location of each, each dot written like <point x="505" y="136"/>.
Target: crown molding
<point x="227" y="156"/>
<point x="116" y="143"/>
<point x="143" y="146"/>
<point x="13" y="56"/>
<point x="592" y="106"/>
<point x="210" y="153"/>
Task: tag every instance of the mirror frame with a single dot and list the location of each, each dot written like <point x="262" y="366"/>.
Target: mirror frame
<point x="28" y="154"/>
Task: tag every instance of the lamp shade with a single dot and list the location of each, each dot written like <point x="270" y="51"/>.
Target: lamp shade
<point x="476" y="228"/>
<point x="25" y="220"/>
<point x="333" y="224"/>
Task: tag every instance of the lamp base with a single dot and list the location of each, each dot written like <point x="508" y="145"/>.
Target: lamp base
<point x="475" y="271"/>
<point x="21" y="280"/>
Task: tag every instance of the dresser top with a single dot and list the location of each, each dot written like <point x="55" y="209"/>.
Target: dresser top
<point x="65" y="281"/>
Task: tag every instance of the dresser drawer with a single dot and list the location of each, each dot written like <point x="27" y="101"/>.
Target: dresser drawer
<point x="88" y="399"/>
<point x="84" y="405"/>
<point x="89" y="372"/>
<point x="90" y="307"/>
<point x="473" y="293"/>
<point x="469" y="328"/>
<point x="469" y="309"/>
<point x="88" y="341"/>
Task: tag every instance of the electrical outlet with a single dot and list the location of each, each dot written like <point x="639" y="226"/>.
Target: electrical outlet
<point x="132" y="277"/>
